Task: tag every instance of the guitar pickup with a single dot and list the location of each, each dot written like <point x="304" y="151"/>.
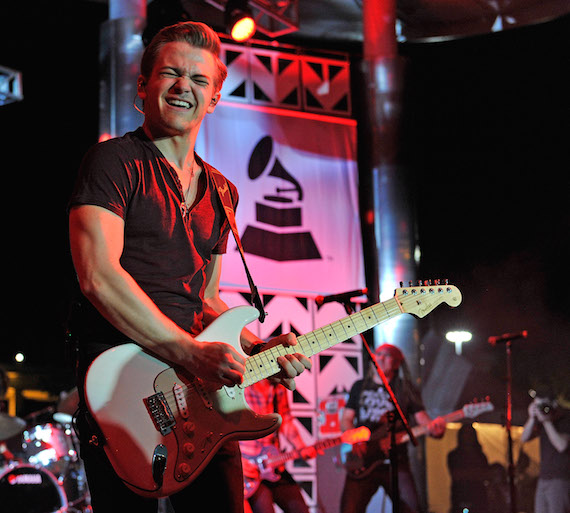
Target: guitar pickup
<point x="160" y="413"/>
<point x="180" y="398"/>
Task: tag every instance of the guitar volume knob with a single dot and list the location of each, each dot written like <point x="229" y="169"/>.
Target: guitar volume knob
<point x="184" y="470"/>
<point x="189" y="428"/>
<point x="188" y="449"/>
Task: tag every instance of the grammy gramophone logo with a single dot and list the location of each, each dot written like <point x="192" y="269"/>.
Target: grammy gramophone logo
<point x="277" y="233"/>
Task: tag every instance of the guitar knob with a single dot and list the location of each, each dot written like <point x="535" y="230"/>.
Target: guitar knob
<point x="184" y="470"/>
<point x="188" y="428"/>
<point x="188" y="449"/>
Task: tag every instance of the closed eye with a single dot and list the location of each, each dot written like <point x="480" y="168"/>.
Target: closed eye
<point x="200" y="79"/>
<point x="169" y="73"/>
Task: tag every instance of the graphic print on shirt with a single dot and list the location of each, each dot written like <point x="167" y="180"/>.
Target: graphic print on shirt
<point x="374" y="404"/>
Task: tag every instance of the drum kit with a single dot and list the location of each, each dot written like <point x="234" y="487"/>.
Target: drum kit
<point x="40" y="468"/>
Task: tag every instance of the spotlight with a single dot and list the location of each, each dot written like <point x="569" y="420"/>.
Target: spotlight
<point x="239" y="20"/>
<point x="458" y="338"/>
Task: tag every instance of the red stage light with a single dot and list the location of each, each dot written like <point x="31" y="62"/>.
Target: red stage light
<point x="243" y="29"/>
<point x="239" y="20"/>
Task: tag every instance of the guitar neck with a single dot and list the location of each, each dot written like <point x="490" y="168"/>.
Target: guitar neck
<point x="403" y="436"/>
<point x="281" y="459"/>
<point x="264" y="364"/>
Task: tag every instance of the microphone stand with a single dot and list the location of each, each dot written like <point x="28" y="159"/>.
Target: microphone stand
<point x="393" y="417"/>
<point x="508" y="425"/>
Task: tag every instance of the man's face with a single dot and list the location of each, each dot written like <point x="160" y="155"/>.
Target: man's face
<point x="388" y="363"/>
<point x="180" y="90"/>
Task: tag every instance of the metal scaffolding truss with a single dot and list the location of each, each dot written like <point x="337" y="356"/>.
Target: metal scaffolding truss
<point x="274" y="18"/>
<point x="10" y="86"/>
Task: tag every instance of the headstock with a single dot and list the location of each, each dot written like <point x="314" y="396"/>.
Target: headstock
<point x="421" y="299"/>
<point x="476" y="408"/>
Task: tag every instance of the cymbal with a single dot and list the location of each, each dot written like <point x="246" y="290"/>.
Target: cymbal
<point x="62" y="418"/>
<point x="10" y="426"/>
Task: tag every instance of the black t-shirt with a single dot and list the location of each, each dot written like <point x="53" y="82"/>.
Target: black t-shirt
<point x="371" y="402"/>
<point x="166" y="247"/>
<point x="553" y="464"/>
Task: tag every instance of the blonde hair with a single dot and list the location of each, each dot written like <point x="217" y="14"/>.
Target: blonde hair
<point x="198" y="35"/>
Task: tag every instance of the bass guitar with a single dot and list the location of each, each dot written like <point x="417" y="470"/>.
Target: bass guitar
<point x="359" y="464"/>
<point x="270" y="459"/>
<point x="161" y="426"/>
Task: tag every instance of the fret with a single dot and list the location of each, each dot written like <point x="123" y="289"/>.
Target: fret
<point x="264" y="364"/>
<point x="412" y="300"/>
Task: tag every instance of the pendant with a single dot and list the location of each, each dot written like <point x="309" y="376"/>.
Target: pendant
<point x="184" y="210"/>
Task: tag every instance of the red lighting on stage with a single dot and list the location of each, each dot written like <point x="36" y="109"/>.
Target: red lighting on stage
<point x="243" y="29"/>
<point x="239" y="20"/>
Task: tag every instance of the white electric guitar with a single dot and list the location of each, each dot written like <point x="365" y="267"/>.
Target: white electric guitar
<point x="161" y="426"/>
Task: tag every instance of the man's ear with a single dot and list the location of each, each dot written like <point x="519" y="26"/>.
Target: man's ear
<point x="213" y="102"/>
<point x="141" y="87"/>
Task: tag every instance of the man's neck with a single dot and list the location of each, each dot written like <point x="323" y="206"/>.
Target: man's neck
<point x="178" y="149"/>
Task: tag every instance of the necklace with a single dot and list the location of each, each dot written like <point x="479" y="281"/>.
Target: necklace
<point x="186" y="203"/>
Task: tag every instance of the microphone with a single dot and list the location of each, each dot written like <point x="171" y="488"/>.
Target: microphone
<point x="507" y="337"/>
<point x="341" y="298"/>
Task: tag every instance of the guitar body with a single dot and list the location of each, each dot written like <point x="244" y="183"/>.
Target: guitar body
<point x="266" y="472"/>
<point x="366" y="456"/>
<point x="161" y="426"/>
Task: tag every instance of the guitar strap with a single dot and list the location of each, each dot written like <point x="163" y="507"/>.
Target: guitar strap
<point x="226" y="199"/>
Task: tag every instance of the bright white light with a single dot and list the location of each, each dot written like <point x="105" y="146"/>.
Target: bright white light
<point x="19" y="357"/>
<point x="44" y="457"/>
<point x="458" y="338"/>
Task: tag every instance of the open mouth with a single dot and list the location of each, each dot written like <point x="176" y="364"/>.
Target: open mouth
<point x="174" y="102"/>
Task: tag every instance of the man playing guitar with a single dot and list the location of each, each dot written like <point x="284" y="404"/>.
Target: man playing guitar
<point x="147" y="233"/>
<point x="368" y="405"/>
<point x="280" y="488"/>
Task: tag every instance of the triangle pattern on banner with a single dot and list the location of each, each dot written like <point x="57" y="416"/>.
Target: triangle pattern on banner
<point x="311" y="100"/>
<point x="258" y="94"/>
<point x="298" y="398"/>
<point x="239" y="91"/>
<point x="265" y="60"/>
<point x="231" y="56"/>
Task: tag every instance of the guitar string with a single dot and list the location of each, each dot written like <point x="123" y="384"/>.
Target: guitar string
<point x="331" y="328"/>
<point x="391" y="307"/>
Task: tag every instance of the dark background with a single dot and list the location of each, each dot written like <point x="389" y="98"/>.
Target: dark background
<point x="485" y="143"/>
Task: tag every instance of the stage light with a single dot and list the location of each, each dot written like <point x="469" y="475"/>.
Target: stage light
<point x="458" y="338"/>
<point x="239" y="20"/>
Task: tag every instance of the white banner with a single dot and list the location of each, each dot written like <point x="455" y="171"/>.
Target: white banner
<point x="298" y="214"/>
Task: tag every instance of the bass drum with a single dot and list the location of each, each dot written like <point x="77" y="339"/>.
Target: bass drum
<point x="29" y="489"/>
<point x="53" y="446"/>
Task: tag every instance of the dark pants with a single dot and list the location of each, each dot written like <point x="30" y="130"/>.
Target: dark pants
<point x="285" y="493"/>
<point x="218" y="489"/>
<point x="357" y="493"/>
